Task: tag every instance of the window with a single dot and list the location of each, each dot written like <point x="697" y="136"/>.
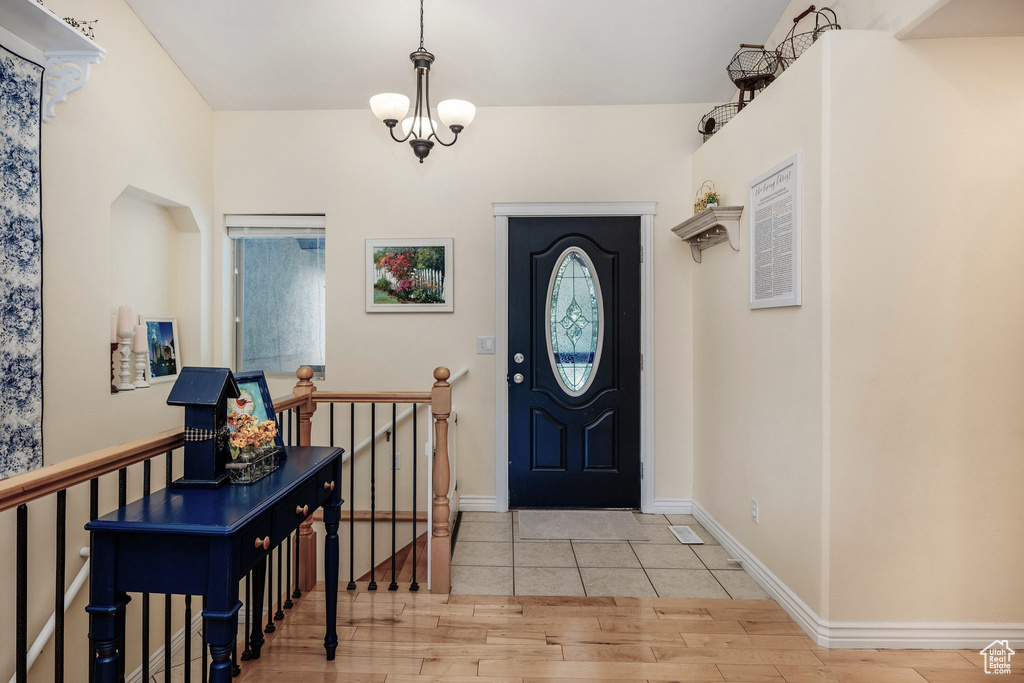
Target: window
<point x="279" y="293"/>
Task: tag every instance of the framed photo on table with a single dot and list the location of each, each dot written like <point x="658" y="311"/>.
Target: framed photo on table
<point x="254" y="399"/>
<point x="409" y="275"/>
<point x="163" y="349"/>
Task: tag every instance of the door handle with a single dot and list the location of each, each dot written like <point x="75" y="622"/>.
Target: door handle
<point x="518" y="378"/>
<point x="518" y="358"/>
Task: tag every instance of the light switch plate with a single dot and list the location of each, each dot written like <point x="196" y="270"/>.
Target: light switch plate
<point x="485" y="345"/>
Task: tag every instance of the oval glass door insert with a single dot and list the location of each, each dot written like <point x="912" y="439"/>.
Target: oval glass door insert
<point x="574" y="308"/>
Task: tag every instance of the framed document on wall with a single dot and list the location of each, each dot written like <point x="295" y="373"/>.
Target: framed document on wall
<point x="774" y="216"/>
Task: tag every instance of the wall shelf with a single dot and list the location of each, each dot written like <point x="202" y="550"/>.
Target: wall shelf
<point x="712" y="226"/>
<point x="64" y="51"/>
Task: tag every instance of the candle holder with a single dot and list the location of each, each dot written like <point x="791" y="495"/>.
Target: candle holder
<point x="113" y="347"/>
<point x="141" y="358"/>
<point x="126" y="355"/>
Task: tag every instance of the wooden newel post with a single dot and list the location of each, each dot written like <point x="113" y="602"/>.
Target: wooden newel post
<point x="441" y="543"/>
<point x="306" y="545"/>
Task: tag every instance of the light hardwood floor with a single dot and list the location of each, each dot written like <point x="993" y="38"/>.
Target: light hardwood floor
<point x="403" y="637"/>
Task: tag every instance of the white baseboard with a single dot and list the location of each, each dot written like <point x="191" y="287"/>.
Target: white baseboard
<point x="672" y="506"/>
<point x="854" y="635"/>
<point x="476" y="503"/>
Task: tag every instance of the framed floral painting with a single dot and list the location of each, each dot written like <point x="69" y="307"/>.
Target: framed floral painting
<point x="406" y="275"/>
<point x="254" y="399"/>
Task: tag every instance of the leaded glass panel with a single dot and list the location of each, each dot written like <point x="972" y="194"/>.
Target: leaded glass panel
<point x="574" y="321"/>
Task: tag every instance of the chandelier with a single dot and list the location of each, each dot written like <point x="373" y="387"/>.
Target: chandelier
<point x="420" y="130"/>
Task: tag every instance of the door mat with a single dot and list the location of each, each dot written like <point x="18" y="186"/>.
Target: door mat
<point x="686" y="535"/>
<point x="582" y="525"/>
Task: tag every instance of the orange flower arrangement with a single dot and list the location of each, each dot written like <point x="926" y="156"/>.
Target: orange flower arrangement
<point x="249" y="433"/>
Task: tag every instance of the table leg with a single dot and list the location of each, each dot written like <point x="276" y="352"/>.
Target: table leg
<point x="259" y="577"/>
<point x="332" y="518"/>
<point x="220" y="621"/>
<point x="106" y="610"/>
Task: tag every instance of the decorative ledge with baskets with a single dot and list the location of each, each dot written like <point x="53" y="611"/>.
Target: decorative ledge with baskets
<point x="712" y="226"/>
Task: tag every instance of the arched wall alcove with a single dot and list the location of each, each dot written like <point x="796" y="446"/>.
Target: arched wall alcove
<point x="156" y="257"/>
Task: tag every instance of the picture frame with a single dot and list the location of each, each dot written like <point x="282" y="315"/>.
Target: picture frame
<point x="254" y="399"/>
<point x="410" y="275"/>
<point x="163" y="349"/>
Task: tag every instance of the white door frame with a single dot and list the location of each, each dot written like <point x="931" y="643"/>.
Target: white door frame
<point x="502" y="212"/>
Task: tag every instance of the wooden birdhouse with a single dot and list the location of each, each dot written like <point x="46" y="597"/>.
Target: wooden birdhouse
<point x="204" y="392"/>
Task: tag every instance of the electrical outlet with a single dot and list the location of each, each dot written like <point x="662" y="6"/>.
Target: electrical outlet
<point x="754" y="510"/>
<point x="397" y="464"/>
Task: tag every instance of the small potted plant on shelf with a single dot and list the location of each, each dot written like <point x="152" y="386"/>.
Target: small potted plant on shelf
<point x="710" y="199"/>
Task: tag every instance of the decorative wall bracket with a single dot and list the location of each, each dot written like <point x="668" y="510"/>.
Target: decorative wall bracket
<point x="64" y="51"/>
<point x="65" y="73"/>
<point x="712" y="226"/>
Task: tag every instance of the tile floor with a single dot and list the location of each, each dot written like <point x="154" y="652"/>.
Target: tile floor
<point x="490" y="558"/>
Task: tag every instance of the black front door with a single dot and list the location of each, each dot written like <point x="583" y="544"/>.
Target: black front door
<point x="574" y="362"/>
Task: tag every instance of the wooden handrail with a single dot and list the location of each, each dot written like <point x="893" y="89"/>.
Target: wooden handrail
<point x="24" y="488"/>
<point x="372" y="397"/>
<point x="44" y="481"/>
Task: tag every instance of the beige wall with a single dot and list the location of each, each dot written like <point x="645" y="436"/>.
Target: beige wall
<point x="758" y="373"/>
<point x="343" y="164"/>
<point x="877" y="424"/>
<point x="137" y="123"/>
<point x="927" y="329"/>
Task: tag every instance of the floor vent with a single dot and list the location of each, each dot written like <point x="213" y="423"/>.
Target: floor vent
<point x="686" y="535"/>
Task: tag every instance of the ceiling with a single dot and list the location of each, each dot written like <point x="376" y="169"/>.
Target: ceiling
<point x="336" y="54"/>
<point x="970" y="19"/>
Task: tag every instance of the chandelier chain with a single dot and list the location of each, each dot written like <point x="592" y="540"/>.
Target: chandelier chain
<point x="421" y="24"/>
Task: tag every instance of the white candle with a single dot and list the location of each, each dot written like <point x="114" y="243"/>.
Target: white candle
<point x="139" y="342"/>
<point x="113" y="329"/>
<point x="124" y="318"/>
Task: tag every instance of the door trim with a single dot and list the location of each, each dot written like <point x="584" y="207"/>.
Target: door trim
<point x="502" y="212"/>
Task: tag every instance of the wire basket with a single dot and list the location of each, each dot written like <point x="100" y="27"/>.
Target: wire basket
<point x="753" y="67"/>
<point x="795" y="44"/>
<point x="716" y="118"/>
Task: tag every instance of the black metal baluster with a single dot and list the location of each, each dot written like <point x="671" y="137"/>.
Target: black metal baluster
<point x="188" y="639"/>
<point x="247" y="653"/>
<point x="373" y="496"/>
<point x="94" y="499"/>
<point x="288" y="604"/>
<point x="58" y="595"/>
<point x="279" y="615"/>
<point x="352" y="498"/>
<point x="415" y="481"/>
<point x="206" y="661"/>
<point x="21" y="608"/>
<point x="394" y="487"/>
<point x="235" y="669"/>
<point x="290" y="440"/>
<point x="94" y="512"/>
<point x="122" y="500"/>
<point x="168" y="478"/>
<point x="147" y="468"/>
<point x="297" y="593"/>
<point x="270" y="628"/>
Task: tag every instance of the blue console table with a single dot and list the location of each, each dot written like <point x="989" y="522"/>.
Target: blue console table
<point x="203" y="542"/>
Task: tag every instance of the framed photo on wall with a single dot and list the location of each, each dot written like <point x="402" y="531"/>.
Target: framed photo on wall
<point x="254" y="399"/>
<point x="163" y="347"/>
<point x="409" y="275"/>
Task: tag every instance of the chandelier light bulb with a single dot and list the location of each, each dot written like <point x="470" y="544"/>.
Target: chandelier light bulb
<point x="421" y="129"/>
<point x="389" y="106"/>
<point x="456" y="113"/>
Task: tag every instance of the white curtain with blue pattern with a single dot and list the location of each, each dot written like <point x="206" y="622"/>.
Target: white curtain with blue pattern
<point x="21" y="267"/>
